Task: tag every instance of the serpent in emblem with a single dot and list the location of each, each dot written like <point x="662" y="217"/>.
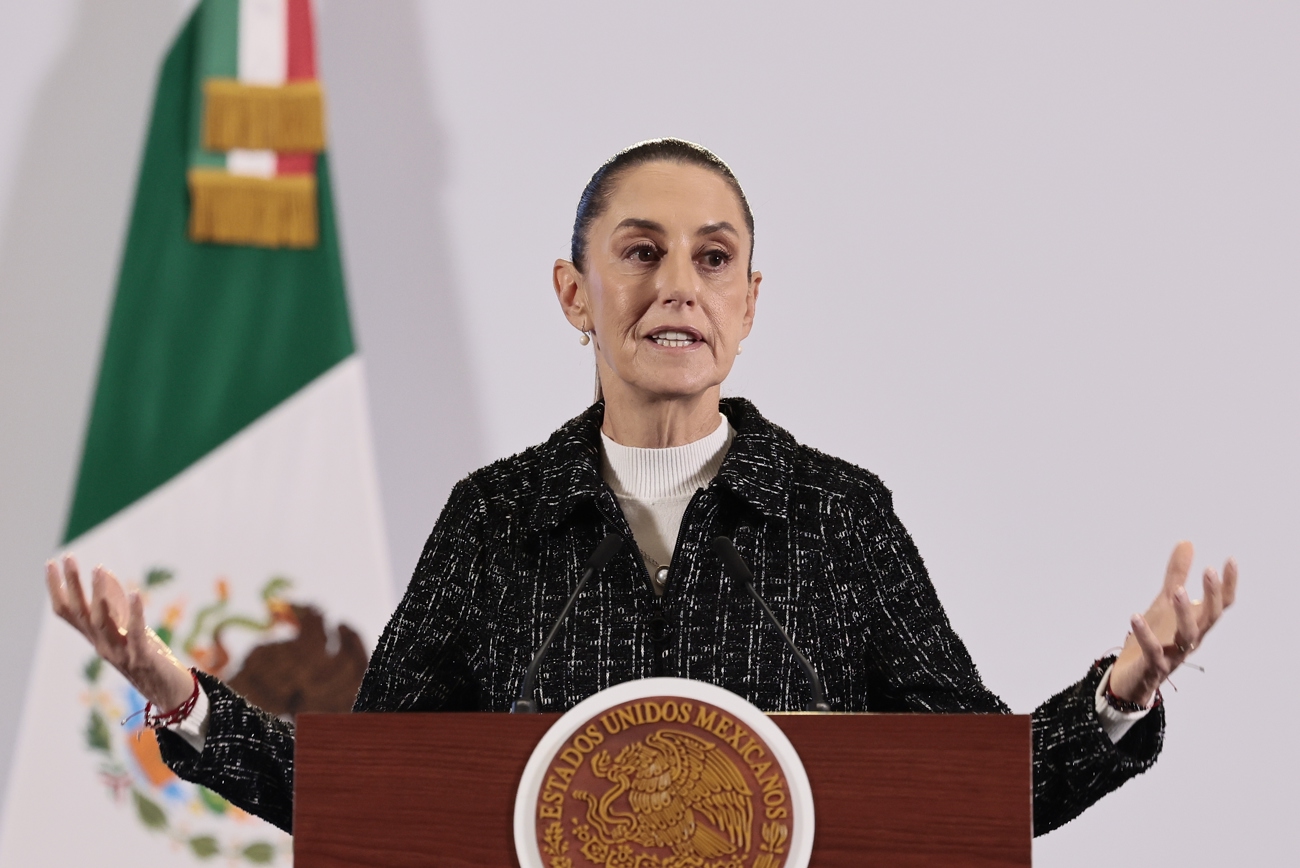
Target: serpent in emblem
<point x="673" y="781"/>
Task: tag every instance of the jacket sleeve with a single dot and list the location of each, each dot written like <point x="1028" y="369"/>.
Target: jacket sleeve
<point x="918" y="663"/>
<point x="1075" y="762"/>
<point x="419" y="664"/>
<point x="423" y="660"/>
<point x="247" y="755"/>
<point x="915" y="660"/>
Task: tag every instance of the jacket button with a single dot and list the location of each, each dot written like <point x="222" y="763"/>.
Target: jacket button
<point x="660" y="579"/>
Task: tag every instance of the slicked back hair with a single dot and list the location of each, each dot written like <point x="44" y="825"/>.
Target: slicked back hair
<point x="595" y="196"/>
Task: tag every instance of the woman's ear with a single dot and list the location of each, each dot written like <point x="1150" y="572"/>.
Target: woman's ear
<point x="569" y="292"/>
<point x="751" y="301"/>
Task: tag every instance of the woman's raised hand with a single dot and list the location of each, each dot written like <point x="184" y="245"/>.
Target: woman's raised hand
<point x="1172" y="628"/>
<point x="114" y="623"/>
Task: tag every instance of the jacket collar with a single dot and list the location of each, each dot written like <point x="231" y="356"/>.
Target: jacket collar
<point x="760" y="463"/>
<point x="569" y="468"/>
<point x="757" y="467"/>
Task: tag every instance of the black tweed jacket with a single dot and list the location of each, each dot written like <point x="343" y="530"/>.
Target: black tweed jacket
<point x="829" y="556"/>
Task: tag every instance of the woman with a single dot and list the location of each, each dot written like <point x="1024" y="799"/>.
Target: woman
<point x="660" y="283"/>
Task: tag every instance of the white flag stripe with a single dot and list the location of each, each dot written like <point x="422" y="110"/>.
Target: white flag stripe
<point x="258" y="164"/>
<point x="263" y="41"/>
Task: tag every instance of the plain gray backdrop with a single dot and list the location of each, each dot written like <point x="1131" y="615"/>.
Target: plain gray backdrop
<point x="1036" y="265"/>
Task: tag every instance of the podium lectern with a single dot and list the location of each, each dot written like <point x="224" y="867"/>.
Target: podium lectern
<point x="398" y="790"/>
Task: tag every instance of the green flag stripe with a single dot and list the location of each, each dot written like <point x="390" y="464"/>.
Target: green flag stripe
<point x="203" y="339"/>
<point x="218" y="57"/>
<point x="219" y="39"/>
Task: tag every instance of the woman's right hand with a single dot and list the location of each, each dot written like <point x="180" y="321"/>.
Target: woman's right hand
<point x="134" y="650"/>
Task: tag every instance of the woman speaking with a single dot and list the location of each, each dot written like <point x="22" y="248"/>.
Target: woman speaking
<point x="660" y="283"/>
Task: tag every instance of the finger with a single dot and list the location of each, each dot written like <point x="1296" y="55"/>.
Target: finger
<point x="1212" y="596"/>
<point x="76" y="596"/>
<point x="137" y="634"/>
<point x="98" y="606"/>
<point x="1229" y="582"/>
<point x="1188" y="633"/>
<point x="58" y="597"/>
<point x="1152" y="650"/>
<point x="114" y="595"/>
<point x="108" y="628"/>
<point x="104" y="620"/>
<point x="1180" y="564"/>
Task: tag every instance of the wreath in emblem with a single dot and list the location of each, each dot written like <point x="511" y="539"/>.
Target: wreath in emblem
<point x="290" y="664"/>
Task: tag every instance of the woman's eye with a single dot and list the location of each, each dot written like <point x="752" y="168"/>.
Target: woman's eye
<point x="716" y="258"/>
<point x="644" y="253"/>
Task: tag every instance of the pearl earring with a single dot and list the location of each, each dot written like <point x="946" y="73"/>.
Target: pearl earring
<point x="740" y="348"/>
<point x="584" y="338"/>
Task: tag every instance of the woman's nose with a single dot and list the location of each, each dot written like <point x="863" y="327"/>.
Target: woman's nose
<point x="677" y="280"/>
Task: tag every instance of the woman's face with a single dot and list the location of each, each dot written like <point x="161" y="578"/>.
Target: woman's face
<point x="665" y="293"/>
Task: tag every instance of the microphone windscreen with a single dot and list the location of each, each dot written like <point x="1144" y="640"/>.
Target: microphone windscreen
<point x="725" y="549"/>
<point x="608" y="547"/>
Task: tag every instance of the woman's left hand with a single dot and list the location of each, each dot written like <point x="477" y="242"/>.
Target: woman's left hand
<point x="1172" y="628"/>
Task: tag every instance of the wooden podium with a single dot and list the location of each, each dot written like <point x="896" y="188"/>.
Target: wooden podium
<point x="439" y="789"/>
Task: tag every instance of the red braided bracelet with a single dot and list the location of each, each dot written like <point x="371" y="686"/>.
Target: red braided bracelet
<point x="154" y="720"/>
<point x="1126" y="705"/>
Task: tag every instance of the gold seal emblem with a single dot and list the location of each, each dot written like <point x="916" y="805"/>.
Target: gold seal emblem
<point x="668" y="780"/>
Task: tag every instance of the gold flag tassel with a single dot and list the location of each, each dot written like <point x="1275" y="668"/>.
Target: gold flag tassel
<point x="290" y="117"/>
<point x="263" y="212"/>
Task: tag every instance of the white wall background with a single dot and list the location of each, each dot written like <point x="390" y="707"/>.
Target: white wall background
<point x="1034" y="264"/>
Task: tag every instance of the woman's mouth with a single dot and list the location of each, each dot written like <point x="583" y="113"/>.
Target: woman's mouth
<point x="675" y="337"/>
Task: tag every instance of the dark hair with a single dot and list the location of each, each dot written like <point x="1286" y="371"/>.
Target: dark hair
<point x="595" y="196"/>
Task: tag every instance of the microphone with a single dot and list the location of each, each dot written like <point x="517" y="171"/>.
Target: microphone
<point x="525" y="704"/>
<point x="739" y="570"/>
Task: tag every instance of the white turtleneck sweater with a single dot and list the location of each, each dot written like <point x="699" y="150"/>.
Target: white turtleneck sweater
<point x="654" y="487"/>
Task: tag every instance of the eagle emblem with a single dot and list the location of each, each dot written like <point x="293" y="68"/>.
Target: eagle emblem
<point x="663" y="773"/>
<point x="682" y="793"/>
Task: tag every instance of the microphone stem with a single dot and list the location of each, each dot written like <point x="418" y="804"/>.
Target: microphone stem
<point x="609" y="546"/>
<point x="525" y="704"/>
<point x="816" y="698"/>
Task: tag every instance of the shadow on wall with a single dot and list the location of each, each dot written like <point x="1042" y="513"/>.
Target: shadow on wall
<point x="60" y="245"/>
<point x="390" y="167"/>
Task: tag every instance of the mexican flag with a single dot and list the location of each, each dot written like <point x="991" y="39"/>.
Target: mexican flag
<point x="227" y="468"/>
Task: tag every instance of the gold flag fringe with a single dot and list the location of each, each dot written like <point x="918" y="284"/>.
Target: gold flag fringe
<point x="290" y="117"/>
<point x="262" y="212"/>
